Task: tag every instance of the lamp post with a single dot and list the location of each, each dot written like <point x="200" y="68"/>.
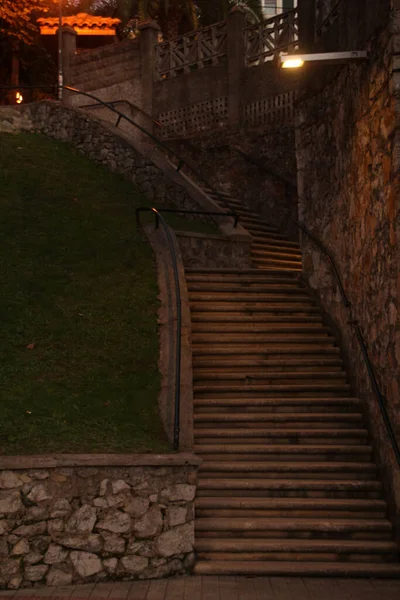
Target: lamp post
<point x="60" y="57"/>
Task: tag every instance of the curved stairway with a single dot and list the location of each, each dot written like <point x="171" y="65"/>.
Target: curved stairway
<point x="288" y="484"/>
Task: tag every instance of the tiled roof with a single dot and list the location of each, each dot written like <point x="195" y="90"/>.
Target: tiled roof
<point x="81" y="20"/>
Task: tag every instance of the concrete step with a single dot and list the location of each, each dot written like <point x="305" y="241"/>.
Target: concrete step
<point x="269" y="266"/>
<point x="318" y="337"/>
<point x="280" y="405"/>
<point x="242" y="466"/>
<point x="276" y="254"/>
<point x="238" y="546"/>
<point x="279" y="470"/>
<point x="221" y="378"/>
<point x="259" y="227"/>
<point x="261" y="244"/>
<point x="251" y="309"/>
<point x="254" y="223"/>
<point x="280" y="419"/>
<point x="269" y="328"/>
<point x="254" y="296"/>
<point x="224" y="451"/>
<point x="300" y="569"/>
<point x="251" y="390"/>
<point x="324" y="526"/>
<point x="266" y="366"/>
<point x="265" y="263"/>
<point x="230" y="318"/>
<point x="289" y="488"/>
<point x="258" y="278"/>
<point x="227" y="288"/>
<point x="297" y="435"/>
<point x="235" y="271"/>
<point x="262" y="352"/>
<point x="262" y="239"/>
<point x="290" y="507"/>
<point x="236" y="371"/>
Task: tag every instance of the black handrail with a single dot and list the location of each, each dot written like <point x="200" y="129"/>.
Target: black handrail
<point x="181" y="162"/>
<point x="135" y="107"/>
<point x="198" y="212"/>
<point x="371" y="372"/>
<point x="177" y="409"/>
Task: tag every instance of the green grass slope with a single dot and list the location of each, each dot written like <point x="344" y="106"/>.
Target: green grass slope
<point x="78" y="307"/>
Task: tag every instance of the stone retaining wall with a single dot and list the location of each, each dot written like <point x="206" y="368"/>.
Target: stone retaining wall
<point x="244" y="163"/>
<point x="69" y="523"/>
<point x="98" y="141"/>
<point x="346" y="154"/>
<point x="203" y="250"/>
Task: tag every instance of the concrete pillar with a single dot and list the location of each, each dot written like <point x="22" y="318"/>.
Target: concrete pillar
<point x="68" y="52"/>
<point x="148" y="40"/>
<point x="236" y="63"/>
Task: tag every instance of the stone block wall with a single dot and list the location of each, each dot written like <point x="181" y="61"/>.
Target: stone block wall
<point x="108" y="70"/>
<point x="346" y="155"/>
<point x="64" y="523"/>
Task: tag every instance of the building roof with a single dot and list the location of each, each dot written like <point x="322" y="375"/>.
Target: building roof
<point x="83" y="24"/>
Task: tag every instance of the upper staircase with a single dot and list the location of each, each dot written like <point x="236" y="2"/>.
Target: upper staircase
<point x="288" y="484"/>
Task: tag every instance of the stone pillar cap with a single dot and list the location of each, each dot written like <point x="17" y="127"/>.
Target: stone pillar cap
<point x="68" y="29"/>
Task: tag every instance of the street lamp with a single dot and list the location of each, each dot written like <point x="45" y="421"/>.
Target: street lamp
<point x="60" y="65"/>
<point x="295" y="61"/>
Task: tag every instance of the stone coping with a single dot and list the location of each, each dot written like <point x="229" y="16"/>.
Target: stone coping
<point x="197" y="234"/>
<point x="49" y="461"/>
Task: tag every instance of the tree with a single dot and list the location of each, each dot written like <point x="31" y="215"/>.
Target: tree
<point x="212" y="11"/>
<point x="17" y="20"/>
<point x="173" y="16"/>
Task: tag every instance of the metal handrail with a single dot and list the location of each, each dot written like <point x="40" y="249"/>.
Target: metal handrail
<point x="199" y="212"/>
<point x="160" y="219"/>
<point x="135" y="107"/>
<point x="364" y="350"/>
<point x="177" y="408"/>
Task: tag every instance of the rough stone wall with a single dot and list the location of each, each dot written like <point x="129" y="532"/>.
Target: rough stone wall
<point x="80" y="524"/>
<point x="201" y="250"/>
<point x="348" y="198"/>
<point x="250" y="179"/>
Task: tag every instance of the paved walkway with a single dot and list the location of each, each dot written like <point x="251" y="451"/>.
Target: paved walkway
<point x="224" y="588"/>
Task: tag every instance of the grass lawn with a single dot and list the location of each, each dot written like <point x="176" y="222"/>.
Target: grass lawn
<point x="78" y="307"/>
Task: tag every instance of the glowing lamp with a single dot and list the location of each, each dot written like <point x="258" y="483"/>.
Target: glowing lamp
<point x="19" y="98"/>
<point x="295" y="61"/>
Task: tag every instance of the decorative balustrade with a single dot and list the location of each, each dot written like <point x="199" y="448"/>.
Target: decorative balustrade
<point x="269" y="39"/>
<point x="196" y="50"/>
<point x="278" y="110"/>
<point x="195" y="118"/>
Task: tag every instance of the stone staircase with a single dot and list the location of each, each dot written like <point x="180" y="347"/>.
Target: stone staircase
<point x="288" y="484"/>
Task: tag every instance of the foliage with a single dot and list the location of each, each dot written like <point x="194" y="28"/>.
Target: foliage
<point x="212" y="11"/>
<point x="17" y="20"/>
